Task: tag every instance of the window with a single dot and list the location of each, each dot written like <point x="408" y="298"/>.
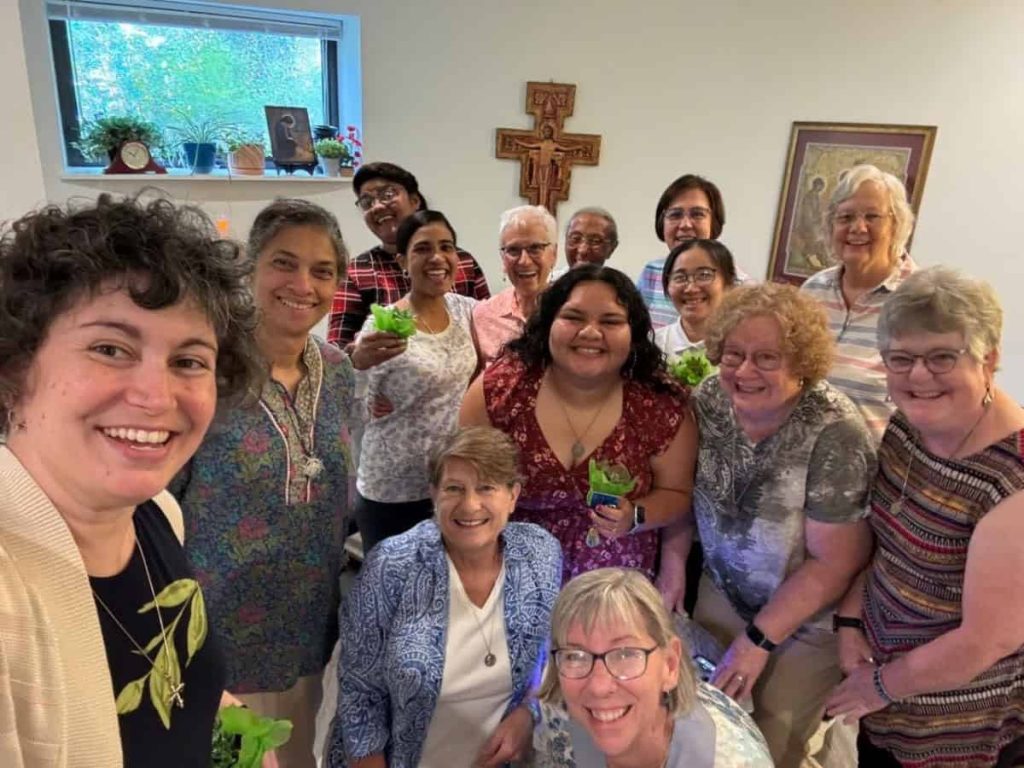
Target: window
<point x="174" y="62"/>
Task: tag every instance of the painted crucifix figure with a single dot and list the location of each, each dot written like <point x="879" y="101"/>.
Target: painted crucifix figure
<point x="546" y="153"/>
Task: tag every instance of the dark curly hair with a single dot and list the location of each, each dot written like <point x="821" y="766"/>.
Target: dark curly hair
<point x="645" y="363"/>
<point x="160" y="254"/>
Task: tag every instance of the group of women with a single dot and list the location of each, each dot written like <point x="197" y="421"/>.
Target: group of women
<point x="843" y="578"/>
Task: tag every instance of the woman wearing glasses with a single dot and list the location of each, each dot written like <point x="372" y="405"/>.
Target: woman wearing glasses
<point x="529" y="248"/>
<point x="621" y="692"/>
<point x="934" y="628"/>
<point x="697" y="274"/>
<point x="783" y="472"/>
<point x="868" y="224"/>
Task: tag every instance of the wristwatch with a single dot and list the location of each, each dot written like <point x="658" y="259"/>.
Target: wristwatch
<point x="846" y="621"/>
<point x="639" y="516"/>
<point x="758" y="638"/>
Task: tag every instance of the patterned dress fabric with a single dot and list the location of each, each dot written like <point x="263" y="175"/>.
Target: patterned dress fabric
<point x="914" y="593"/>
<point x="393" y="638"/>
<point x="555" y="497"/>
<point x="734" y="738"/>
<point x="264" y="537"/>
<point x="751" y="500"/>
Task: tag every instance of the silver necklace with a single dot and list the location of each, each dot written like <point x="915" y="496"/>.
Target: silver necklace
<point x="447" y="343"/>
<point x="578" y="451"/>
<point x="490" y="659"/>
<point x="175" y="691"/>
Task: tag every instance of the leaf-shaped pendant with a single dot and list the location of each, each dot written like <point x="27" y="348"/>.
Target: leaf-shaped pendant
<point x="593" y="537"/>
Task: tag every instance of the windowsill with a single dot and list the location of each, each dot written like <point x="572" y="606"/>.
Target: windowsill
<point x="219" y="175"/>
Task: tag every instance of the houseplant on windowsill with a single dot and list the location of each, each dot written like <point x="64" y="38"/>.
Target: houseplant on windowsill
<point x="101" y="138"/>
<point x="335" y="158"/>
<point x="198" y="138"/>
<point x="246" y="152"/>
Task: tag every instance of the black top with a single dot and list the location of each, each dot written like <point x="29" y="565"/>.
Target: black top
<point x="154" y="732"/>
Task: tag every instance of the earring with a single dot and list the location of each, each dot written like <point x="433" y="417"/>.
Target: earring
<point x="888" y="397"/>
<point x="666" y="699"/>
<point x="986" y="401"/>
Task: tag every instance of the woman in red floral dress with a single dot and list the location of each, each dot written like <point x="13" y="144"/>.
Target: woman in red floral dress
<point x="586" y="381"/>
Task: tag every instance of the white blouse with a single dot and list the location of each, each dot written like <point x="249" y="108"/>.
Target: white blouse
<point x="673" y="341"/>
<point x="425" y="384"/>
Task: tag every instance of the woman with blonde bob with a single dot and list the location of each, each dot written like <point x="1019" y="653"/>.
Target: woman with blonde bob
<point x="783" y="470"/>
<point x="867" y="225"/>
<point x="624" y="679"/>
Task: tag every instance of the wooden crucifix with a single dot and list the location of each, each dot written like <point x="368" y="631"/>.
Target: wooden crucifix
<point x="546" y="154"/>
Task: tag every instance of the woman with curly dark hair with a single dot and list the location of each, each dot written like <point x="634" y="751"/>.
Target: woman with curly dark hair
<point x="585" y="384"/>
<point x="121" y="326"/>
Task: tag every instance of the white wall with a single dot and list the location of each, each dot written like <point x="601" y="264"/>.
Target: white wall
<point x="673" y="86"/>
<point x="22" y="185"/>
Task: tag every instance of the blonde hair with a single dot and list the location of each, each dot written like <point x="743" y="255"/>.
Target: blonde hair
<point x="609" y="595"/>
<point x="489" y="451"/>
<point x="903" y="216"/>
<point x="807" y="343"/>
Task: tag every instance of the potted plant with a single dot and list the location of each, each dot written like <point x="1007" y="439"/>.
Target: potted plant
<point x="100" y="139"/>
<point x="333" y="154"/>
<point x="246" y="152"/>
<point x="241" y="738"/>
<point x="198" y="138"/>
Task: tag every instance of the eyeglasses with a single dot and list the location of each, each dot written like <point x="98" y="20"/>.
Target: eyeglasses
<point x="764" y="360"/>
<point x="700" y="276"/>
<point x="382" y="195"/>
<point x="936" y="361"/>
<point x="696" y="214"/>
<point x="848" y="218"/>
<point x="621" y="663"/>
<point x="515" y="251"/>
<point x="594" y="241"/>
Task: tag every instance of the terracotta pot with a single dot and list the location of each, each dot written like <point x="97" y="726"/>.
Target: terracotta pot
<point x="347" y="171"/>
<point x="246" y="160"/>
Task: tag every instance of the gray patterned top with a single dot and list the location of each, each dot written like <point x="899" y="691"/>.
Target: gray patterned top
<point x="818" y="465"/>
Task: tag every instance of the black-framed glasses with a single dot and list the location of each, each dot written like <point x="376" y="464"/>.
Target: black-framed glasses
<point x="384" y="195"/>
<point x="594" y="241"/>
<point x="872" y="219"/>
<point x="700" y="276"/>
<point x="935" y="360"/>
<point x="621" y="663"/>
<point x="696" y="214"/>
<point x="515" y="251"/>
<point x="764" y="360"/>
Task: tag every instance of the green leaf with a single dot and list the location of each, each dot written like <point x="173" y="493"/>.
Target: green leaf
<point x="393" y="320"/>
<point x="175" y="593"/>
<point x="238" y="720"/>
<point x="130" y="697"/>
<point x="197" y="625"/>
<point x="280" y="733"/>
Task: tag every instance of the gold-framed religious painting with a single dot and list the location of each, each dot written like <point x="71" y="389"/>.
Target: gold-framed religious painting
<point x="818" y="153"/>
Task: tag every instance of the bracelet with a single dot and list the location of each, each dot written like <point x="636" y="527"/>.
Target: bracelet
<point x="883" y="694"/>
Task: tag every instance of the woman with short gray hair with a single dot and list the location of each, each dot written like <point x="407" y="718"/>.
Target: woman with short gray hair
<point x="931" y="634"/>
<point x="868" y="222"/>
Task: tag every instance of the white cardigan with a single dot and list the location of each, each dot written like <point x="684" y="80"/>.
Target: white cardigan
<point x="56" y="695"/>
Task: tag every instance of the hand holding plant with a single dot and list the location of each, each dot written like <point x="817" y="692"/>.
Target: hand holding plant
<point x="241" y="738"/>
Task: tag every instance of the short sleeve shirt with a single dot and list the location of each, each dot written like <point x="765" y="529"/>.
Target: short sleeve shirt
<point x="751" y="500"/>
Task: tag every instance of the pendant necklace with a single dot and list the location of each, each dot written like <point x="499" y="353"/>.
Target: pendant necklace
<point x="898" y="505"/>
<point x="446" y="346"/>
<point x="490" y="659"/>
<point x="175" y="696"/>
<point x="578" y="451"/>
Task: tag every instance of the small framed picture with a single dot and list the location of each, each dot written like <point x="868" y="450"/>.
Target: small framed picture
<point x="818" y="153"/>
<point x="291" y="140"/>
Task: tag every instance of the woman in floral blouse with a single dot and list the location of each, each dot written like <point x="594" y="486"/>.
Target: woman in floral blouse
<point x="266" y="496"/>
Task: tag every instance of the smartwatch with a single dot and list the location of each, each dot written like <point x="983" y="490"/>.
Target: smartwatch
<point x="758" y="638"/>
<point x="838" y="622"/>
<point x="639" y="516"/>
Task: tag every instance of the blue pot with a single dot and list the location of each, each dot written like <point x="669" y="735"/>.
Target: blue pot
<point x="199" y="158"/>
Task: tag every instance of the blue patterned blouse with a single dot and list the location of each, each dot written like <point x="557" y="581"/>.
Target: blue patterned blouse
<point x="394" y="629"/>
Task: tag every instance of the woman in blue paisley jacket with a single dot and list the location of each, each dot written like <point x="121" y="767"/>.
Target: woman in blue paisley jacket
<point x="443" y="634"/>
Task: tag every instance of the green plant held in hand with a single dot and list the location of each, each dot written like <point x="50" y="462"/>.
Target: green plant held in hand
<point x="613" y="480"/>
<point x="241" y="738"/>
<point x="392" y="320"/>
<point x="332" y="148"/>
<point x="102" y="136"/>
<point x="691" y="367"/>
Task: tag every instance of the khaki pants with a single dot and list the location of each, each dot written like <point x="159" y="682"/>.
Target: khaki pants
<point x="298" y="704"/>
<point x="789" y="697"/>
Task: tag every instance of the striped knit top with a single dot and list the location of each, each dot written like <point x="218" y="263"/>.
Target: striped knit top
<point x="858" y="371"/>
<point x="914" y="594"/>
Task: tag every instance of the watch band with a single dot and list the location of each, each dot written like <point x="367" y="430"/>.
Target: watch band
<point x="838" y="622"/>
<point x="639" y="516"/>
<point x="758" y="638"/>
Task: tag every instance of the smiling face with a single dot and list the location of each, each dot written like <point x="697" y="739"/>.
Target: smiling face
<point x="589" y="240"/>
<point x="432" y="260"/>
<point x="622" y="716"/>
<point x="590" y="337"/>
<point x="939" y="402"/>
<point x="695" y="301"/>
<point x="382" y="217"/>
<point x="860" y="245"/>
<point x="528" y="273"/>
<point x="116" y="400"/>
<point x="676" y="231"/>
<point x="755" y="392"/>
<point x="470" y="510"/>
<point x="294" y="281"/>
